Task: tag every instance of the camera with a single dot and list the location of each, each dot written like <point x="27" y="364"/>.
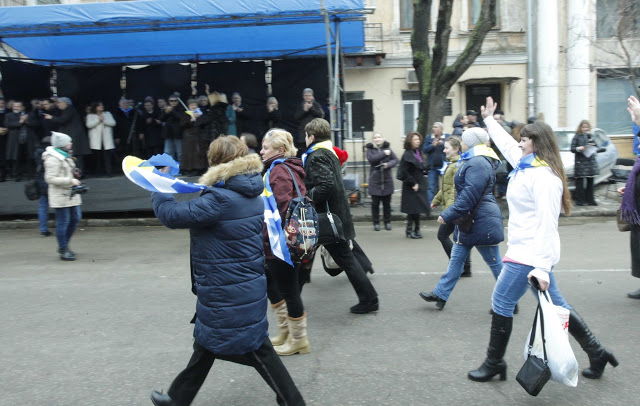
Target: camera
<point x="78" y="190"/>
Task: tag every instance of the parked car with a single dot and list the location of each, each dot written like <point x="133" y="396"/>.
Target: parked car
<point x="606" y="160"/>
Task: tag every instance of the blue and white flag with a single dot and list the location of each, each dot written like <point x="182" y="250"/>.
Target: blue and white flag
<point x="277" y="237"/>
<point x="147" y="176"/>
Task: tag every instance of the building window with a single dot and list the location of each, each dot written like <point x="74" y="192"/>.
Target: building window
<point x="613" y="117"/>
<point x="475" y="7"/>
<point x="614" y="15"/>
<point x="406" y="15"/>
<point x="349" y="97"/>
<point x="410" y="112"/>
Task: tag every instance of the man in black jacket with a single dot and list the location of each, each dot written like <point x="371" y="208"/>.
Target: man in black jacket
<point x="324" y="186"/>
<point x="307" y="110"/>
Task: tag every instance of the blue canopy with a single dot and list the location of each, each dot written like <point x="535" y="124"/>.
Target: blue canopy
<point x="154" y="31"/>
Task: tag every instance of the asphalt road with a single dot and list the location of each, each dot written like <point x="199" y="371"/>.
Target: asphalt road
<point x="112" y="326"/>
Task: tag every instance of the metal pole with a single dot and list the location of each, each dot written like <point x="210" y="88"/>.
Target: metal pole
<point x="336" y="85"/>
<point x="329" y="64"/>
<point x="530" y="53"/>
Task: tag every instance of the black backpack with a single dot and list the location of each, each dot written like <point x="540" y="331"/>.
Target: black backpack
<point x="300" y="225"/>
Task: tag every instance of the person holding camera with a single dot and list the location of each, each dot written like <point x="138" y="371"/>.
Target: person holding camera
<point x="586" y="167"/>
<point x="61" y="175"/>
<point x="307" y="110"/>
<point x="382" y="159"/>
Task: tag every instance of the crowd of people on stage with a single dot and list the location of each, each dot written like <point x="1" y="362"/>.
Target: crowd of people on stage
<point x="181" y="128"/>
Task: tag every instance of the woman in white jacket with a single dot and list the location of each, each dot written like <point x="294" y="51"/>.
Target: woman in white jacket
<point x="536" y="192"/>
<point x="100" y="124"/>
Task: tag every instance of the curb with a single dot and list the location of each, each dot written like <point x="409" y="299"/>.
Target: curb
<point x="357" y="218"/>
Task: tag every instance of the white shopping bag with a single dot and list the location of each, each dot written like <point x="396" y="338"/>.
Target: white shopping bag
<point x="562" y="361"/>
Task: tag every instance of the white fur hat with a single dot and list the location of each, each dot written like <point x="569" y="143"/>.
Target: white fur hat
<point x="474" y="136"/>
<point x="60" y="140"/>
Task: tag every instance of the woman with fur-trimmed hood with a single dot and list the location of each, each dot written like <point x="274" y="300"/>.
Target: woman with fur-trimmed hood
<point x="227" y="262"/>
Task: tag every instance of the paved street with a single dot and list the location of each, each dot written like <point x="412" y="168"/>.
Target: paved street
<point x="112" y="326"/>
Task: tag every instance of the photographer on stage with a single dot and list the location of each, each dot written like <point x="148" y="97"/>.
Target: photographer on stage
<point x="61" y="175"/>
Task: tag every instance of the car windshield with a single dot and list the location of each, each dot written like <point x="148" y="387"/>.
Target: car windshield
<point x="564" y="140"/>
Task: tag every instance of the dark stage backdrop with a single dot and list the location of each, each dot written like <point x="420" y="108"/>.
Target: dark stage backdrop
<point x="87" y="85"/>
<point x="24" y="81"/>
<point x="159" y="81"/>
<point x="290" y="77"/>
<point x="246" y="78"/>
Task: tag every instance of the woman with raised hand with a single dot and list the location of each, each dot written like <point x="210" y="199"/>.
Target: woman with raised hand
<point x="537" y="191"/>
<point x="280" y="168"/>
<point x="474" y="187"/>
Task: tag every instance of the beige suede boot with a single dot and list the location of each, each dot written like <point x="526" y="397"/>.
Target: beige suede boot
<point x="297" y="341"/>
<point x="281" y="316"/>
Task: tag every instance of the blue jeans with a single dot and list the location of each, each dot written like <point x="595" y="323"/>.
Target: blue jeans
<point x="43" y="213"/>
<point x="512" y="285"/>
<point x="459" y="253"/>
<point x="434" y="183"/>
<point x="173" y="147"/>
<point x="67" y="219"/>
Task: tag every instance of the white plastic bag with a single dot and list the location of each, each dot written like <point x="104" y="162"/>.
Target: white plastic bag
<point x="562" y="361"/>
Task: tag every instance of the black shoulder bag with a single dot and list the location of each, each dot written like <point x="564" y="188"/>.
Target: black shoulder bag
<point x="329" y="228"/>
<point x="535" y="372"/>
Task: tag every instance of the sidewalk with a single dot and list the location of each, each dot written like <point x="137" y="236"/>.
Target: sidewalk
<point x="608" y="204"/>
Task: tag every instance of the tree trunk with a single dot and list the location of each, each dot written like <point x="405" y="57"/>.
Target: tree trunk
<point x="435" y="78"/>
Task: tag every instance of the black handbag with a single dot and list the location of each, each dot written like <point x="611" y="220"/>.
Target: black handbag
<point x="329" y="228"/>
<point x="535" y="372"/>
<point x="31" y="190"/>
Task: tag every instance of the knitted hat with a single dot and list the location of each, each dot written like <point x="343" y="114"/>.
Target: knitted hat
<point x="474" y="136"/>
<point x="60" y="140"/>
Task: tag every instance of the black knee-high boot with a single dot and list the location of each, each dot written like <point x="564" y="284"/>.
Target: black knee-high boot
<point x="598" y="355"/>
<point x="494" y="364"/>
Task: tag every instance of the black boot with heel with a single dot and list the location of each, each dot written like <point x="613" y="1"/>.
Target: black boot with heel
<point x="494" y="363"/>
<point x="599" y="356"/>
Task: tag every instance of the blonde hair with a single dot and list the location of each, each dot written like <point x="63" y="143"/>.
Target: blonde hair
<point x="279" y="138"/>
<point x="214" y="98"/>
<point x="226" y="148"/>
<point x="272" y="99"/>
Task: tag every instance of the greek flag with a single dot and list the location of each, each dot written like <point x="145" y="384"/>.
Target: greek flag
<point x="145" y="175"/>
<point x="277" y="237"/>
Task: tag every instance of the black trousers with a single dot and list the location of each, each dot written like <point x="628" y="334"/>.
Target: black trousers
<point x="265" y="360"/>
<point x="344" y="257"/>
<point x="444" y="232"/>
<point x="283" y="283"/>
<point x="386" y="208"/>
<point x="635" y="250"/>
<point x="582" y="194"/>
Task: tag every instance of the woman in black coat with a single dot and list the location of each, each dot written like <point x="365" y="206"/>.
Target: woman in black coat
<point x="382" y="159"/>
<point x="584" y="167"/>
<point x="69" y="122"/>
<point x="414" y="187"/>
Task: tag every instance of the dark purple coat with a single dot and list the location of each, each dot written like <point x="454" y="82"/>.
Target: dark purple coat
<point x="380" y="179"/>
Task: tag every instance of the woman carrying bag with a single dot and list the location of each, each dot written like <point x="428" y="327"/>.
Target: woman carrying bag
<point x="282" y="278"/>
<point x="382" y="159"/>
<point x="536" y="193"/>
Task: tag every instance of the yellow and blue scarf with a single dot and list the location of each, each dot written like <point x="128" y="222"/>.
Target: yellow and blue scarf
<point x="478" y="150"/>
<point x="529" y="161"/>
<point x="277" y="237"/>
<point x="318" y="145"/>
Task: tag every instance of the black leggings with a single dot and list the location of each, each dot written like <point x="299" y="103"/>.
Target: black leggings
<point x="386" y="208"/>
<point x="283" y="283"/>
<point x="265" y="360"/>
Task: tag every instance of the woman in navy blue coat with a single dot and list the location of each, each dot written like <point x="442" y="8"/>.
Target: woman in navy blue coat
<point x="227" y="263"/>
<point x="474" y="192"/>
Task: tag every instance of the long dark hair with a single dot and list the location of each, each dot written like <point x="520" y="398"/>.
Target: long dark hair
<point x="546" y="148"/>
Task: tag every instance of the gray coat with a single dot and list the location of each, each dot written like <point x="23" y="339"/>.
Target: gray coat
<point x="380" y="180"/>
<point x="584" y="167"/>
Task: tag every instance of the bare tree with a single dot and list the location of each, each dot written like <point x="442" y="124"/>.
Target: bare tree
<point x="435" y="78"/>
<point x="618" y="40"/>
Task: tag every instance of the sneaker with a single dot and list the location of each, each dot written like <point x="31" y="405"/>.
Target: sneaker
<point x="67" y="256"/>
<point x="45" y="233"/>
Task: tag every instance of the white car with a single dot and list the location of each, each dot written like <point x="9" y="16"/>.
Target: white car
<point x="606" y="160"/>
